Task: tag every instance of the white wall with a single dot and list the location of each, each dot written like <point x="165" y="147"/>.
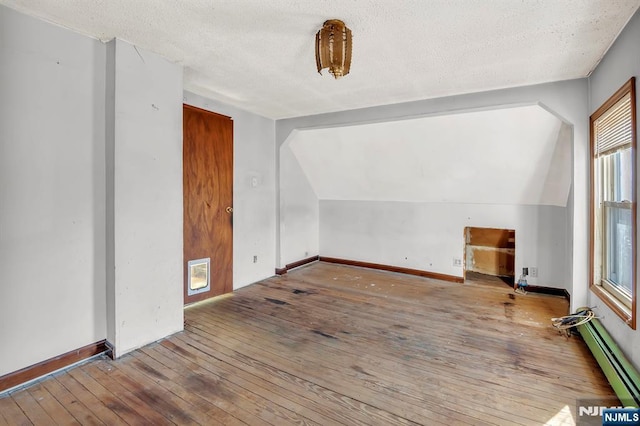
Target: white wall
<point x="144" y="202"/>
<point x="499" y="156"/>
<point x="52" y="191"/>
<point x="422" y="181"/>
<point x="428" y="236"/>
<point x="254" y="201"/>
<point x="91" y="193"/>
<point x="620" y="63"/>
<point x="299" y="210"/>
<point x="567" y="100"/>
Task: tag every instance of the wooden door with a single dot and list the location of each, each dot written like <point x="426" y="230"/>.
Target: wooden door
<point x="208" y="197"/>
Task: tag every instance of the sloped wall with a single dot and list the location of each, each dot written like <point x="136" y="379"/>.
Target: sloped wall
<point x="510" y="155"/>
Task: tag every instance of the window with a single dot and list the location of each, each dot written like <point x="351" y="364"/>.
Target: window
<point x="613" y="205"/>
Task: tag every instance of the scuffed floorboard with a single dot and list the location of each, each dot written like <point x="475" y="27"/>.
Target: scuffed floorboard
<point x="330" y="344"/>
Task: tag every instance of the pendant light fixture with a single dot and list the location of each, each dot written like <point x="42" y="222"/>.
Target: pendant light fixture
<point x="333" y="48"/>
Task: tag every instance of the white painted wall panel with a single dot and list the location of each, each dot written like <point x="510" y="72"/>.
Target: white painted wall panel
<point x="299" y="210"/>
<point x="428" y="236"/>
<point x="146" y="207"/>
<point x="52" y="191"/>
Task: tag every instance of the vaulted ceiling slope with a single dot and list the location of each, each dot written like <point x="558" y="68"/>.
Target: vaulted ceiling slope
<point x="259" y="55"/>
<point x="518" y="155"/>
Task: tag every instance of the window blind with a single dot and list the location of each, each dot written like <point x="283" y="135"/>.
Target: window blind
<point x="613" y="130"/>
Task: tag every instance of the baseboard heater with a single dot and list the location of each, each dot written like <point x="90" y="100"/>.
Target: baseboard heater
<point x="621" y="374"/>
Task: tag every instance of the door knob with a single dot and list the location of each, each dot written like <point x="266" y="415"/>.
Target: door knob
<point x="229" y="209"/>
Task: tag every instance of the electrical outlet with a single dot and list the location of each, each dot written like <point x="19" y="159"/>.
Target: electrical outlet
<point x="255" y="259"/>
<point x="457" y="261"/>
<point x="533" y="271"/>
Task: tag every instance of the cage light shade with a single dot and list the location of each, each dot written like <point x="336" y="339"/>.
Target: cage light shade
<point x="333" y="48"/>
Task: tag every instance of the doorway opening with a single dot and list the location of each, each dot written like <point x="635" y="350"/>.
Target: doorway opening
<point x="489" y="254"/>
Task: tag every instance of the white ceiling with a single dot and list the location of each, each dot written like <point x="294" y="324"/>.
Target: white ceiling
<point x="259" y="54"/>
<point x="508" y="156"/>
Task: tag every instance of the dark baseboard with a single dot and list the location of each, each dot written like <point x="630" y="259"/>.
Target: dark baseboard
<point x="290" y="266"/>
<point x="43" y="368"/>
<point x="302" y="262"/>
<point x="110" y="352"/>
<point x="549" y="290"/>
<point x="418" y="272"/>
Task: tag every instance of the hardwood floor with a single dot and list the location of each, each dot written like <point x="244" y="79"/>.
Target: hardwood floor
<point x="329" y="344"/>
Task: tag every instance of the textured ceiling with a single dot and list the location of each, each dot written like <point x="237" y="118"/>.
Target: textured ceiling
<point x="508" y="156"/>
<point x="259" y="54"/>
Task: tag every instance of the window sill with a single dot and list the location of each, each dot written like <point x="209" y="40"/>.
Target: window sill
<point x="622" y="311"/>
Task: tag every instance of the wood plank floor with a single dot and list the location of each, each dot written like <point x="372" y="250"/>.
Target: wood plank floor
<point x="329" y="344"/>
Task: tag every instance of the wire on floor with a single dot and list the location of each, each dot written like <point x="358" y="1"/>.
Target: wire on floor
<point x="568" y="323"/>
